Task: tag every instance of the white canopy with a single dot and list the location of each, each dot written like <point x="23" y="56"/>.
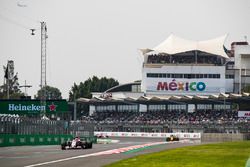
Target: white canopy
<point x="174" y="45"/>
<point x="221" y="96"/>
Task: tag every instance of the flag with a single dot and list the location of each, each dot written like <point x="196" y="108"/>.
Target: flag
<point x="15" y="81"/>
<point x="6" y="75"/>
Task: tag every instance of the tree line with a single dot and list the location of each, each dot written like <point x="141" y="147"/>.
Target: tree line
<point x="83" y="89"/>
<point x="93" y="84"/>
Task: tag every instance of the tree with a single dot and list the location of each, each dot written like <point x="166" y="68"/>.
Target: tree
<point x="85" y="88"/>
<point x="14" y="91"/>
<point x="93" y="84"/>
<point x="51" y="93"/>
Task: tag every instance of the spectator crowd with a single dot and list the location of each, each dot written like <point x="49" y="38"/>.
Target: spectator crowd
<point x="162" y="117"/>
<point x="184" y="58"/>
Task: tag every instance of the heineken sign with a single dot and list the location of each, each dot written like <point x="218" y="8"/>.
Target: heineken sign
<point x="32" y="106"/>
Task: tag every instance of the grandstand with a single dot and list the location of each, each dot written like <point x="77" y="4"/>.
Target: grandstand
<point x="186" y="86"/>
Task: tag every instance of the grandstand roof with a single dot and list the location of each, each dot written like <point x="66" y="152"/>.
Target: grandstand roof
<point x="174" y="44"/>
<point x="171" y="99"/>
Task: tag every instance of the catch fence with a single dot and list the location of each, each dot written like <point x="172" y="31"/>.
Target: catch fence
<point x="14" y="124"/>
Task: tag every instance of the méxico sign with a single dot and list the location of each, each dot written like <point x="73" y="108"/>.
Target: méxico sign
<point x="32" y="106"/>
<point x="181" y="86"/>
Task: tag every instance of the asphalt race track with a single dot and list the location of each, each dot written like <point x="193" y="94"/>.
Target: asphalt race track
<point x="53" y="156"/>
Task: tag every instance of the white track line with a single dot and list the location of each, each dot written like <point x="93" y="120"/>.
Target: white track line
<point x="107" y="152"/>
<point x="60" y="160"/>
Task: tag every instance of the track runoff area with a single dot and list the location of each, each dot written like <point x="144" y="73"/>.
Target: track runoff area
<point x="117" y="148"/>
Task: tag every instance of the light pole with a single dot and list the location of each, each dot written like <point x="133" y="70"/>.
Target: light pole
<point x="25" y="86"/>
<point x="43" y="85"/>
<point x="43" y="82"/>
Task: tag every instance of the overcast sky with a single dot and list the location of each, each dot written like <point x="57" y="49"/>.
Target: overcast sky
<point x="102" y="37"/>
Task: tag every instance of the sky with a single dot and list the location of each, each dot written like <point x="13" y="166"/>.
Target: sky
<point x="103" y="37"/>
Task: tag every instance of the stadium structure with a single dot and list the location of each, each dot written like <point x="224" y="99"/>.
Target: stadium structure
<point x="183" y="81"/>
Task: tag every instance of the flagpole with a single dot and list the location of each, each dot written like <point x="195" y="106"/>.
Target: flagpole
<point x="7" y="81"/>
<point x="8" y="87"/>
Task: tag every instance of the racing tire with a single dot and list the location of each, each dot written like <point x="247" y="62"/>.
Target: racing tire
<point x="63" y="146"/>
<point x="83" y="146"/>
<point x="89" y="145"/>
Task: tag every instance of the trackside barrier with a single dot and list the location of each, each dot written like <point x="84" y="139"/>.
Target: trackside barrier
<point x="223" y="137"/>
<point x="90" y="139"/>
<point x="160" y="135"/>
<point x="21" y="140"/>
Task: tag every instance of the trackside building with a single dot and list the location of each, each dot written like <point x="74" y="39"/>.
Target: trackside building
<point x="183" y="74"/>
<point x="183" y="67"/>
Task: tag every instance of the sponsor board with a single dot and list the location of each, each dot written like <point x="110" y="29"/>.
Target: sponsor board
<point x="244" y="114"/>
<point x="32" y="106"/>
<point x="181" y="86"/>
<point x="192" y="86"/>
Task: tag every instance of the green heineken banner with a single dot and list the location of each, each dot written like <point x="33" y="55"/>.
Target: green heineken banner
<point x="32" y="106"/>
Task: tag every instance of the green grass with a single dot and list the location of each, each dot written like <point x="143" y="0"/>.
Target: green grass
<point x="229" y="154"/>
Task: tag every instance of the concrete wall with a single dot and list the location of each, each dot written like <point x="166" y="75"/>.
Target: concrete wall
<point x="222" y="137"/>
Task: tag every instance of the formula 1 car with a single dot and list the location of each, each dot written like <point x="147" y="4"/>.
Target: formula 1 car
<point x="172" y="138"/>
<point x="76" y="143"/>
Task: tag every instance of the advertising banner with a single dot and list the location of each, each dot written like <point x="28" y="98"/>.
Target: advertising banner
<point x="144" y="134"/>
<point x="32" y="106"/>
<point x="244" y="114"/>
<point x="194" y="86"/>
